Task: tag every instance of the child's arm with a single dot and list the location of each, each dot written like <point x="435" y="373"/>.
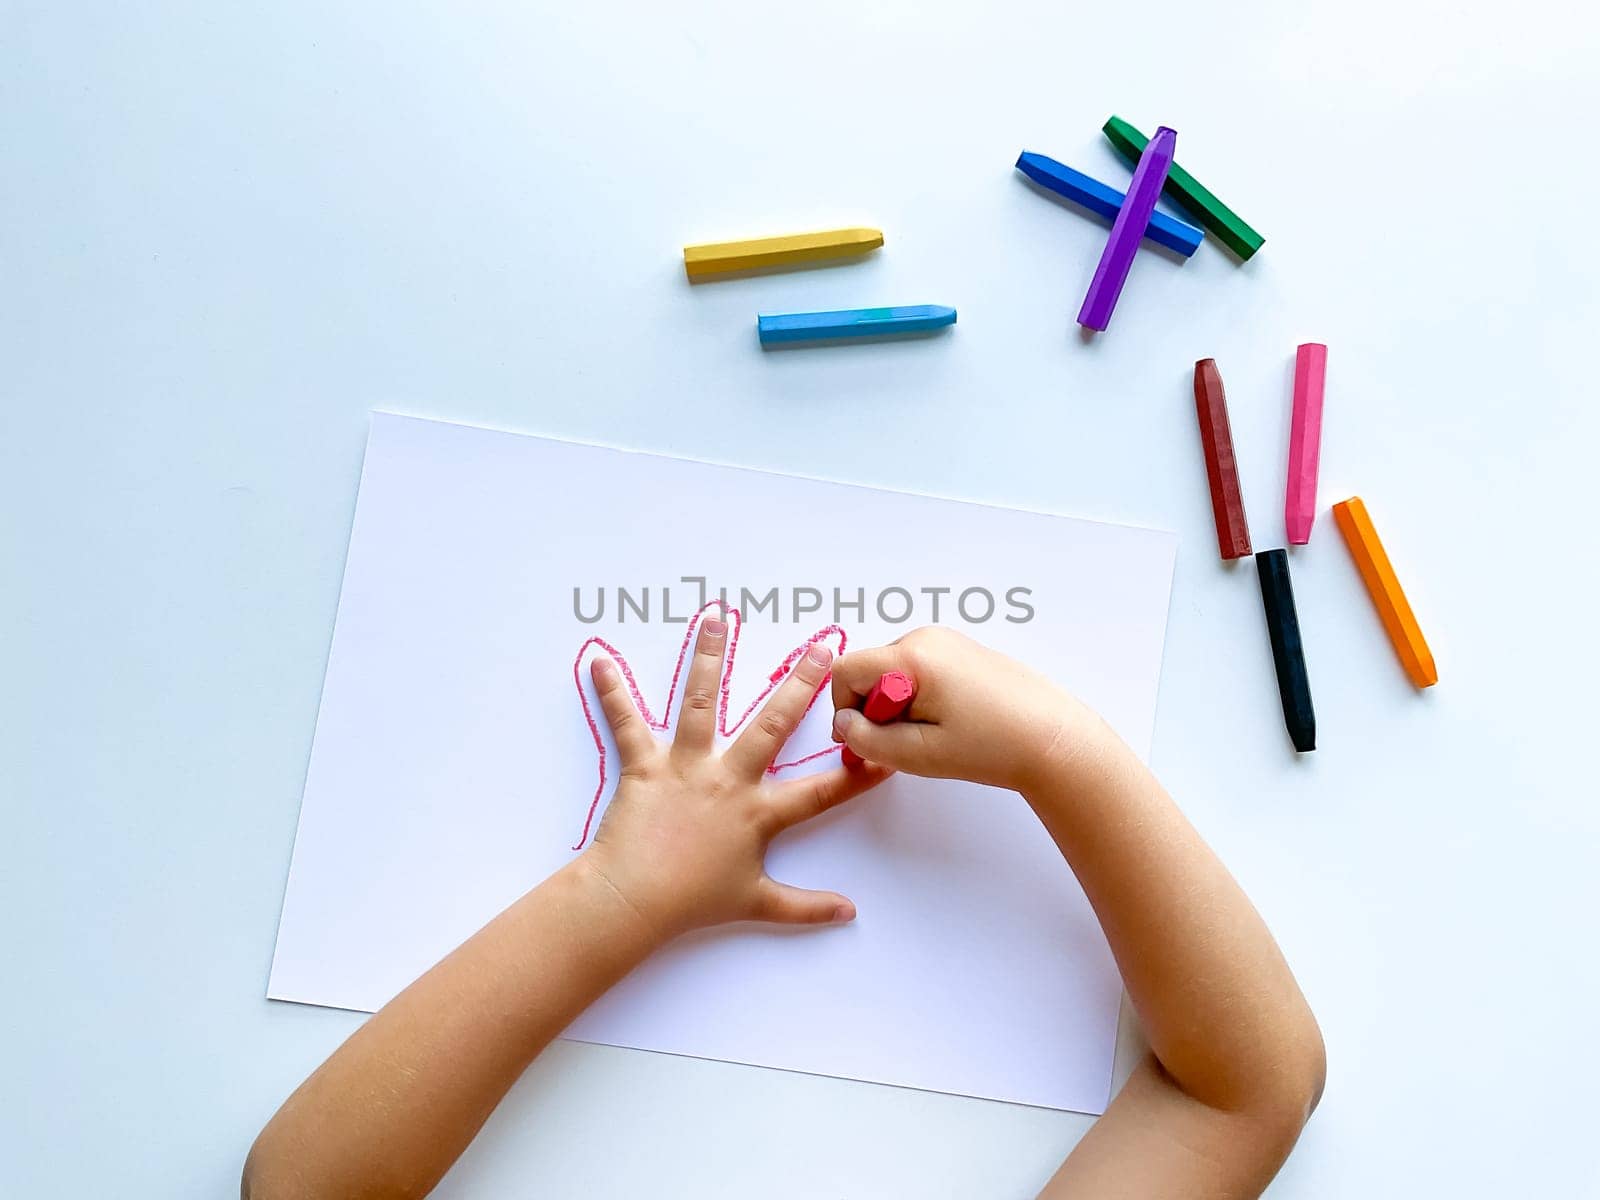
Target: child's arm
<point x="681" y="847"/>
<point x="1237" y="1058"/>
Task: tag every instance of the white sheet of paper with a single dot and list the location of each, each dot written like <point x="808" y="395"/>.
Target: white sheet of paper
<point x="453" y="767"/>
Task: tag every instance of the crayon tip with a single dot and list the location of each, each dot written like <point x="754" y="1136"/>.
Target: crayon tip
<point x="1035" y="166"/>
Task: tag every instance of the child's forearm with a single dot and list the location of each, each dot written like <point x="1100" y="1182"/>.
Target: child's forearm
<point x="1237" y="1057"/>
<point x="1219" y="1006"/>
<point x="400" y="1100"/>
<point x="682" y="846"/>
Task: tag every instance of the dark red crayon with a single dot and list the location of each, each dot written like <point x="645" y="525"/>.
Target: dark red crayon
<point x="1222" y="470"/>
<point x="887" y="701"/>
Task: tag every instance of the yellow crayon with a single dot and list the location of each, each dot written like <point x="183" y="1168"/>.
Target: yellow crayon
<point x="716" y="258"/>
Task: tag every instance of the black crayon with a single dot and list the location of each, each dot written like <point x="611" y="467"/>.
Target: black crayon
<point x="1288" y="655"/>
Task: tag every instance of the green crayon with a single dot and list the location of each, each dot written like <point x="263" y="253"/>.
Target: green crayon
<point x="1215" y="217"/>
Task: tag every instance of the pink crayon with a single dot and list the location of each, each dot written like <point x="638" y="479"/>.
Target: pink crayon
<point x="1126" y="231"/>
<point x="887" y="701"/>
<point x="1305" y="441"/>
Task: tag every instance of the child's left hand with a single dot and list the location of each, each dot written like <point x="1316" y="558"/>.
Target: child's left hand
<point x="684" y="839"/>
<point x="683" y="845"/>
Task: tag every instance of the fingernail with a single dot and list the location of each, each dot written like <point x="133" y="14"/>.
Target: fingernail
<point x="604" y="668"/>
<point x="843" y="719"/>
<point x="820" y="654"/>
<point x="844" y="912"/>
<point x="714" y="627"/>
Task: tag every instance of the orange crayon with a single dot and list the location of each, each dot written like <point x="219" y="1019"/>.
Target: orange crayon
<point x="1393" y="608"/>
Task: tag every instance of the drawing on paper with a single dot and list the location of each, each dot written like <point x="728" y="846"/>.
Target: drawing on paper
<point x="834" y="635"/>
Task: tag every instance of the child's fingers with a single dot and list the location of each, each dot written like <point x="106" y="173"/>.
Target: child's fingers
<point x="759" y="744"/>
<point x="697" y="718"/>
<point x="899" y="745"/>
<point x="797" y="906"/>
<point x="634" y="739"/>
<point x="799" y="800"/>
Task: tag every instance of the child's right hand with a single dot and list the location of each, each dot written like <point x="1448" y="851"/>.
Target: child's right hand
<point x="977" y="715"/>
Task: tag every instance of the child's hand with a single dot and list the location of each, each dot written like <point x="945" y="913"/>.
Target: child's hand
<point x="684" y="839"/>
<point x="978" y="715"/>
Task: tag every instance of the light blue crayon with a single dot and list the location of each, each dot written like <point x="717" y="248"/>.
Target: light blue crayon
<point x="1104" y="200"/>
<point x="777" y="328"/>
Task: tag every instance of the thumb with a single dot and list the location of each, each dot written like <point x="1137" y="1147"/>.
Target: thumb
<point x="796" y="906"/>
<point x="901" y="745"/>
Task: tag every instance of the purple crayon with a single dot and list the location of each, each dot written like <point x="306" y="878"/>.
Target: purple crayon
<point x="1132" y="218"/>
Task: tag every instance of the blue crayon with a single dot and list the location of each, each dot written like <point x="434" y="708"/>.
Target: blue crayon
<point x="1104" y="201"/>
<point x="777" y="328"/>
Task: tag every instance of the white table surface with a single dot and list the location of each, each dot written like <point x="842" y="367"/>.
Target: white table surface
<point x="227" y="232"/>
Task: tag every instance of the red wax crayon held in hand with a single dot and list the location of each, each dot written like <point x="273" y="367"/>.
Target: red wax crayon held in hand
<point x="887" y="701"/>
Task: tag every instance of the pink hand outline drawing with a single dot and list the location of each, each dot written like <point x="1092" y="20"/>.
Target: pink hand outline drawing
<point x="834" y="634"/>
